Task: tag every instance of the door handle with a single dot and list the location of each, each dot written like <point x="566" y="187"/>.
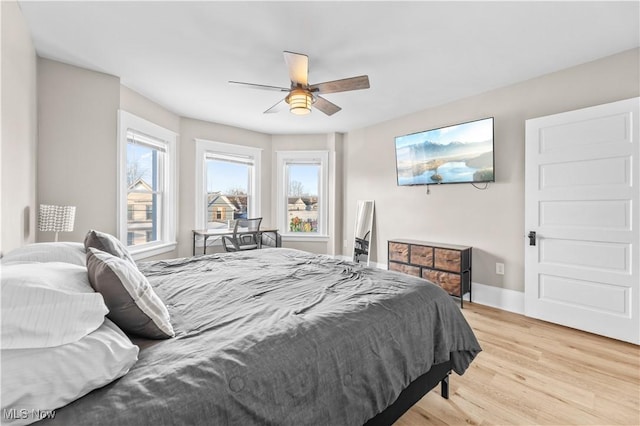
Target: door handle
<point x="532" y="238"/>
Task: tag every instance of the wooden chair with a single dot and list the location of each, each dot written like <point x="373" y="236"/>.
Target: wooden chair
<point x="246" y="235"/>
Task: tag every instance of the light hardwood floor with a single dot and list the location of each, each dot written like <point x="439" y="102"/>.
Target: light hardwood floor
<point x="533" y="372"/>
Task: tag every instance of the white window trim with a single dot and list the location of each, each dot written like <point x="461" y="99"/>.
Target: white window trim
<point x="282" y="158"/>
<point x="128" y="121"/>
<point x="204" y="147"/>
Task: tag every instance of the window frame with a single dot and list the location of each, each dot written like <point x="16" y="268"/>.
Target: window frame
<point x="283" y="158"/>
<point x="204" y="148"/>
<point x="168" y="215"/>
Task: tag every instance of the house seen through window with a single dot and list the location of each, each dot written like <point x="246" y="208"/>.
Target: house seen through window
<point x="147" y="196"/>
<point x="228" y="186"/>
<point x="228" y="194"/>
<point x="303" y="184"/>
<point x="145" y="162"/>
<point x="302" y="203"/>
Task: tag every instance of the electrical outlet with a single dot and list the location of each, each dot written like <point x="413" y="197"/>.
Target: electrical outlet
<point x="344" y="243"/>
<point x="500" y="268"/>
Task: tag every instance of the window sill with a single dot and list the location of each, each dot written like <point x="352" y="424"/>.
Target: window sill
<point x="151" y="250"/>
<point x="309" y="238"/>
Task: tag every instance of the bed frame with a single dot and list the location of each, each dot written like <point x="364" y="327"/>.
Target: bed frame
<point x="439" y="373"/>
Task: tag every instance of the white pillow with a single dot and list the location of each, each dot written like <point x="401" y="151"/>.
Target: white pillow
<point x="47" y="304"/>
<point x="67" y="252"/>
<point x="49" y="378"/>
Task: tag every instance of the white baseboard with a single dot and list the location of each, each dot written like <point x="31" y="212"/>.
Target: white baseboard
<point x="378" y="265"/>
<point x="501" y="298"/>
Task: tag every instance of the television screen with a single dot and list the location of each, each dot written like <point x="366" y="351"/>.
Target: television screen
<point x="462" y="153"/>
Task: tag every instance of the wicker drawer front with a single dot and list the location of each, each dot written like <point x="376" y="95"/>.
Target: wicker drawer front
<point x="406" y="269"/>
<point x="449" y="282"/>
<point x="446" y="265"/>
<point x="448" y="260"/>
<point x="399" y="252"/>
<point x="422" y="255"/>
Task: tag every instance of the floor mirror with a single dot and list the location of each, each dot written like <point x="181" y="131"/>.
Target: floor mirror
<point x="363" y="231"/>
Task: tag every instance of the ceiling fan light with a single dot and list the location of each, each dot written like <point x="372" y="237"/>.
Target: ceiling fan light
<point x="299" y="101"/>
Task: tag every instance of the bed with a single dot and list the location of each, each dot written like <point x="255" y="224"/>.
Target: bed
<point x="280" y="336"/>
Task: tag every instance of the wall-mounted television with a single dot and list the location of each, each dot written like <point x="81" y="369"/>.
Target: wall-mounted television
<point x="462" y="153"/>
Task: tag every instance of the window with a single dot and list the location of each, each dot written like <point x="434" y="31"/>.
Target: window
<point x="303" y="186"/>
<point x="302" y="197"/>
<point x="228" y="180"/>
<point x="228" y="184"/>
<point x="147" y="186"/>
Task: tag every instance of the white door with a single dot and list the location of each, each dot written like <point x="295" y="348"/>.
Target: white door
<point x="582" y="196"/>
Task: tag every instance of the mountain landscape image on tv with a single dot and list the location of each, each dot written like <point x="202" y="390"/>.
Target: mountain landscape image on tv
<point x="462" y="153"/>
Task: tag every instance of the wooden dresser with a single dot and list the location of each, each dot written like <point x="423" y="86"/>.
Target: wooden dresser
<point x="447" y="265"/>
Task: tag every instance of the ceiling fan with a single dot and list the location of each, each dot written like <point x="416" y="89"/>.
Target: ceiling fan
<point x="302" y="95"/>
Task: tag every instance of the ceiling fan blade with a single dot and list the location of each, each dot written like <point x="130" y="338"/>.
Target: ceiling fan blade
<point x="344" y="85"/>
<point x="298" y="65"/>
<point x="259" y="86"/>
<point x="325" y="106"/>
<point x="277" y="107"/>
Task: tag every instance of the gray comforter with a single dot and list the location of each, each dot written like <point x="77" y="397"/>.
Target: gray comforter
<point x="280" y="336"/>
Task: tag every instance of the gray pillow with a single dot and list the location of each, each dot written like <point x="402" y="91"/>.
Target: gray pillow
<point x="107" y="243"/>
<point x="132" y="303"/>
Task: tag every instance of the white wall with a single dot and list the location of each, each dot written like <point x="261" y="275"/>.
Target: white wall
<point x="77" y="145"/>
<point x="491" y="221"/>
<point x="77" y="152"/>
<point x="19" y="131"/>
<point x="135" y="103"/>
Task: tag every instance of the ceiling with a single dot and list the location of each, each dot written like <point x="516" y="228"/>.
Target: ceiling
<point x="417" y="54"/>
